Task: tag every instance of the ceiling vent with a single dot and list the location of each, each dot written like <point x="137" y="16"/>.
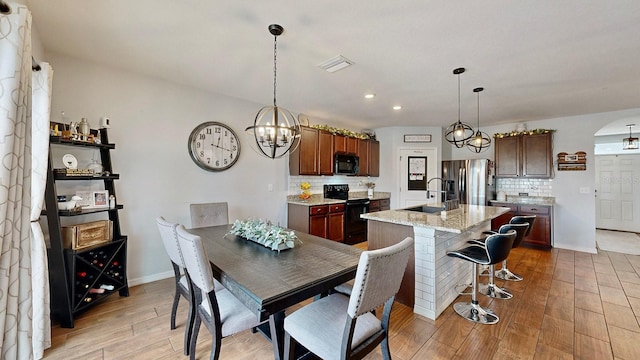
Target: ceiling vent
<point x="336" y="63"/>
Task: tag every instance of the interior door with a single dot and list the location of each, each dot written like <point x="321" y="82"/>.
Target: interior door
<point x="413" y="177"/>
<point x="618" y="192"/>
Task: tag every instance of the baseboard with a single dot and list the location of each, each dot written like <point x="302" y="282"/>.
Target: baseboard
<point x="592" y="250"/>
<point x="151" y="278"/>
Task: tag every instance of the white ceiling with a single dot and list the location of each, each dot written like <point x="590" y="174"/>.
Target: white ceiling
<point x="535" y="59"/>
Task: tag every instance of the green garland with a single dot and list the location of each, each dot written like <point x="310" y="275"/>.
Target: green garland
<point x="526" y="132"/>
<point x="265" y="233"/>
<point x="345" y="132"/>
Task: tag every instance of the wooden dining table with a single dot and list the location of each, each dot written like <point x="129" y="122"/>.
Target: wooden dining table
<point x="268" y="282"/>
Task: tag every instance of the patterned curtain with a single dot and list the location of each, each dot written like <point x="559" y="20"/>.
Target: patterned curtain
<point x="41" y="115"/>
<point x="16" y="306"/>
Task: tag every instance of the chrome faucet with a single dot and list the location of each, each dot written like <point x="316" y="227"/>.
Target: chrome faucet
<point x="442" y="192"/>
<point x="446" y="204"/>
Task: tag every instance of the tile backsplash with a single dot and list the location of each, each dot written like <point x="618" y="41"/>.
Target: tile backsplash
<point x="534" y="187"/>
<point x="356" y="183"/>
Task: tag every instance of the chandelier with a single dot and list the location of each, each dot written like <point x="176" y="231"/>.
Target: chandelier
<point x="481" y="140"/>
<point x="275" y="131"/>
<point x="458" y="133"/>
<point x="630" y="143"/>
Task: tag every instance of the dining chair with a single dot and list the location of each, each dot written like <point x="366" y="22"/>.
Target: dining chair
<point x="209" y="214"/>
<point x="343" y="327"/>
<point x="220" y="311"/>
<point x="171" y="246"/>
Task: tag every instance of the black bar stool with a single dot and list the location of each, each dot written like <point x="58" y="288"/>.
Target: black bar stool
<point x="490" y="289"/>
<point x="496" y="248"/>
<point x="505" y="273"/>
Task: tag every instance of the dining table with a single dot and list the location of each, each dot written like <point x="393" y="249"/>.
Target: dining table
<point x="268" y="282"/>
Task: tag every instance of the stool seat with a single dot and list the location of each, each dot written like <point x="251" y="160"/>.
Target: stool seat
<point x="496" y="248"/>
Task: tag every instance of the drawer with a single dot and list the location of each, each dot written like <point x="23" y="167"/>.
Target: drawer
<point x="374" y="204"/>
<point x="533" y="209"/>
<point x="385" y="203"/>
<point x="319" y="210"/>
<point x="336" y="208"/>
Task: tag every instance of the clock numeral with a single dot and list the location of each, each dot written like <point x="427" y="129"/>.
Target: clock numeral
<point x="198" y="144"/>
<point x="226" y="133"/>
<point x="202" y="136"/>
<point x="201" y="154"/>
<point x="234" y="148"/>
<point x="226" y="161"/>
<point x="218" y="130"/>
<point x="208" y="131"/>
<point x="217" y="162"/>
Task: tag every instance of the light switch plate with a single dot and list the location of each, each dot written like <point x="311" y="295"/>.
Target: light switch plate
<point x="584" y="190"/>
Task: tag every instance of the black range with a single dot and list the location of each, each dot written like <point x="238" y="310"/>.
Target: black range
<point x="355" y="228"/>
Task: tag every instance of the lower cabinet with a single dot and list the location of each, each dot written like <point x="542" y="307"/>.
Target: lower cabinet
<point x="326" y="221"/>
<point x="542" y="233"/>
<point x="379" y="205"/>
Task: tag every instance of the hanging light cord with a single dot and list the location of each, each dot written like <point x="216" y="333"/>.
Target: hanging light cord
<point x="478" y="110"/>
<point x="275" y="68"/>
<point x="458" y="97"/>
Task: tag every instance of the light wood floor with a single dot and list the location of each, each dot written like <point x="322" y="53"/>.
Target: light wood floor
<point x="571" y="305"/>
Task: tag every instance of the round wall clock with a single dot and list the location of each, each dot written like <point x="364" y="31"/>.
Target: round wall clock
<point x="70" y="161"/>
<point x="214" y="146"/>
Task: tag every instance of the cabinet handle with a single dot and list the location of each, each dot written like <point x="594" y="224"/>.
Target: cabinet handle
<point x="534" y="209"/>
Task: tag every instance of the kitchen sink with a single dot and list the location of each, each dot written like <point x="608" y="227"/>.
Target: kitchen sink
<point x="426" y="209"/>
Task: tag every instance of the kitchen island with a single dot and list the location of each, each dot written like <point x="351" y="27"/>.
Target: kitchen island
<point x="431" y="277"/>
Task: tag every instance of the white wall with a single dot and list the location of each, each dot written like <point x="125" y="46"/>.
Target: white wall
<point x="151" y="121"/>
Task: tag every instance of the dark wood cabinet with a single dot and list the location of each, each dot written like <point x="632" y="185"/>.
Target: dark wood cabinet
<point x="314" y="155"/>
<point x="542" y="233"/>
<point x="79" y="276"/>
<point x="353" y="145"/>
<point x="379" y="205"/>
<point x="374" y="158"/>
<point x="325" y="153"/>
<point x="524" y="156"/>
<point x="363" y="155"/>
<point x="340" y="143"/>
<point x="326" y="221"/>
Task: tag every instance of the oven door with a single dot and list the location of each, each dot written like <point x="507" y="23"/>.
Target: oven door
<point x="355" y="228"/>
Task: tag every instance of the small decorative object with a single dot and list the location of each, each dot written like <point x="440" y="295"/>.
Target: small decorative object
<point x="305" y="193"/>
<point x="370" y="186"/>
<point x="577" y="161"/>
<point x="84" y="129"/>
<point x="104" y="123"/>
<point x="525" y="132"/>
<point x="265" y="233"/>
<point x="112" y="202"/>
<point x="70" y="161"/>
<point x="417" y="138"/>
<point x="71" y="204"/>
<point x="522" y="127"/>
<point x="95" y="167"/>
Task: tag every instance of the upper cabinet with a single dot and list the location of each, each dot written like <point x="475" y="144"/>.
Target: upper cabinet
<point x="525" y="156"/>
<point x="315" y="153"/>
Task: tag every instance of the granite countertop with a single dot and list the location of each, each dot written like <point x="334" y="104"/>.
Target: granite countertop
<point x="455" y="221"/>
<point x="527" y="200"/>
<point x="318" y="199"/>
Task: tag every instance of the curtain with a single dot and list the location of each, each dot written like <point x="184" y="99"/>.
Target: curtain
<point x="16" y="326"/>
<point x="41" y="114"/>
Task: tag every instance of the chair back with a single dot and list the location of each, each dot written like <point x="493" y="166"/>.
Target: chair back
<point x="519" y="219"/>
<point x="379" y="276"/>
<point x="170" y="241"/>
<point x="521" y="231"/>
<point x="196" y="260"/>
<point x="499" y="245"/>
<point x="209" y="214"/>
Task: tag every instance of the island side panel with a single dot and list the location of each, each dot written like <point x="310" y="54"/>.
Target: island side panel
<point x="382" y="234"/>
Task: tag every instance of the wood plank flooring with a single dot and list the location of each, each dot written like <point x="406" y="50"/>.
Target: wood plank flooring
<point x="571" y="305"/>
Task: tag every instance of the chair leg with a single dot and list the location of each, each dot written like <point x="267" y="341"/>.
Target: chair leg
<point x="506" y="274"/>
<point x="194" y="338"/>
<point x="174" y="307"/>
<point x="491" y="290"/>
<point x="386" y="353"/>
<point x="289" y="347"/>
<point x="473" y="311"/>
<point x="188" y="329"/>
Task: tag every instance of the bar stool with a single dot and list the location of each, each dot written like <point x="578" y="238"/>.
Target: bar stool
<point x="496" y="248"/>
<point x="490" y="289"/>
<point x="505" y="273"/>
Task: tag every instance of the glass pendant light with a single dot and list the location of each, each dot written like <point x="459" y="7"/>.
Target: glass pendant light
<point x="458" y="133"/>
<point x="275" y="130"/>
<point x="481" y="140"/>
<point x="630" y="143"/>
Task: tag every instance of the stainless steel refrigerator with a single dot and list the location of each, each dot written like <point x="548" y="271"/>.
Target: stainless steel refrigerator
<point x="469" y="181"/>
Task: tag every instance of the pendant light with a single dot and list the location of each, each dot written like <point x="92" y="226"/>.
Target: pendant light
<point x="275" y="130"/>
<point x="481" y="140"/>
<point x="630" y="143"/>
<point x="458" y="133"/>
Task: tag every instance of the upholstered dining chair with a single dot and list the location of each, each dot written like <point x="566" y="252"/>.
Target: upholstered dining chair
<point x="209" y="214"/>
<point x="220" y="311"/>
<point x="343" y="327"/>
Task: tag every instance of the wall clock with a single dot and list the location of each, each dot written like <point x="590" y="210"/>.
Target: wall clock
<point x="214" y="146"/>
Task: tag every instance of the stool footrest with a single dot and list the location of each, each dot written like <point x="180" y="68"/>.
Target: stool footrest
<point x="475" y="313"/>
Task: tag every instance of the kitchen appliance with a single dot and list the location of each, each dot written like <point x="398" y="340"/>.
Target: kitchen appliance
<point x="346" y="164"/>
<point x="355" y="228"/>
<point x="469" y="181"/>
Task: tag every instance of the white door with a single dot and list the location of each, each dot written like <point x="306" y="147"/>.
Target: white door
<point x="618" y="192"/>
<point x="413" y="175"/>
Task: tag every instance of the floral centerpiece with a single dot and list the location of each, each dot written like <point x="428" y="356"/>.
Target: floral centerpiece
<point x="305" y="193"/>
<point x="265" y="233"/>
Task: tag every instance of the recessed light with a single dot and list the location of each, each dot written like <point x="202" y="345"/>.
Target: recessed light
<point x="369" y="96"/>
<point x="397" y="107"/>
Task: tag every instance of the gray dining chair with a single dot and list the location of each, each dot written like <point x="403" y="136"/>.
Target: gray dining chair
<point x="343" y="327"/>
<point x="222" y="314"/>
<point x="209" y="214"/>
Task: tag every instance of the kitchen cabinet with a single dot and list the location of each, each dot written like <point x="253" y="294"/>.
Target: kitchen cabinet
<point x="541" y="235"/>
<point x="379" y="205"/>
<point x="326" y="221"/>
<point x="314" y="155"/>
<point x="369" y="154"/>
<point x="524" y="156"/>
<point x="91" y="268"/>
<point x="363" y="155"/>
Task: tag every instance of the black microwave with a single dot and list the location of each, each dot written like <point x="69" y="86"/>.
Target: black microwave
<point x="346" y="164"/>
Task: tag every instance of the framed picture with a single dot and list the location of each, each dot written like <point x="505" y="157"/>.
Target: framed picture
<point x="86" y="198"/>
<point x="100" y="199"/>
<point x="417" y="138"/>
